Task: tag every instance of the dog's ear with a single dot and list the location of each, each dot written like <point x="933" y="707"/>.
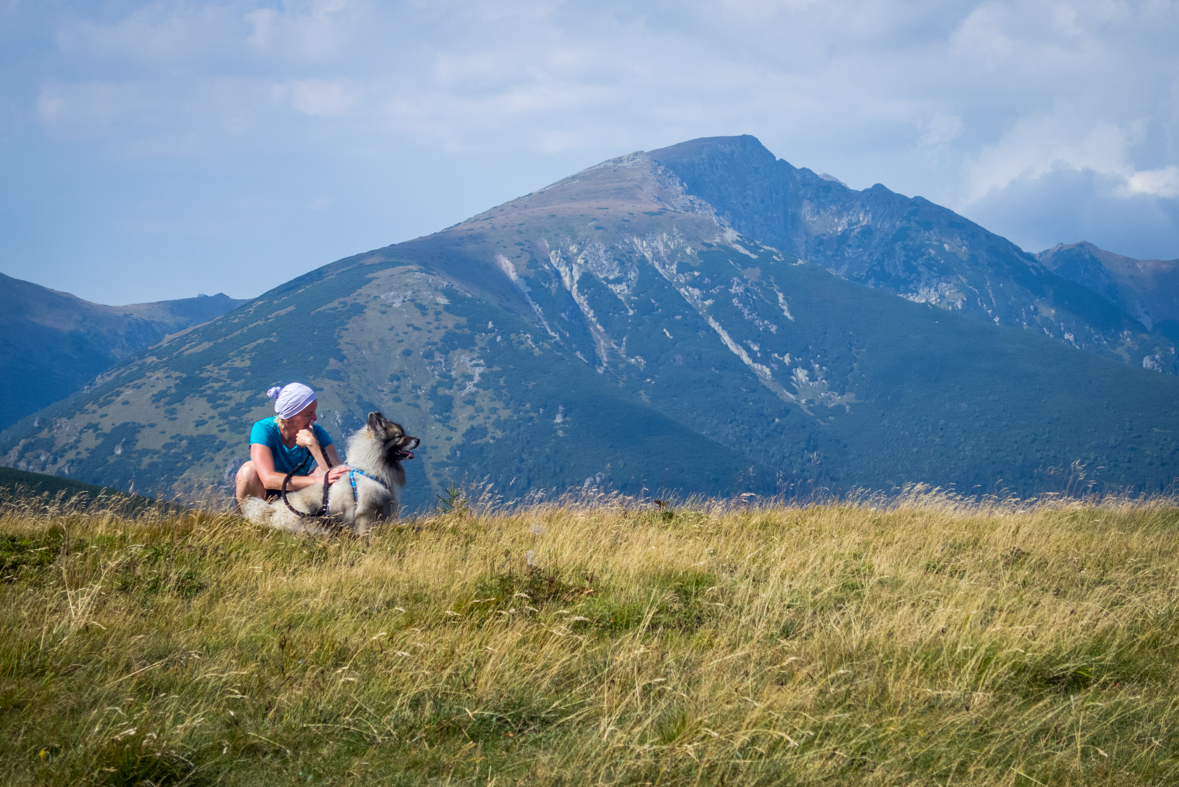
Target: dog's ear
<point x="376" y="422"/>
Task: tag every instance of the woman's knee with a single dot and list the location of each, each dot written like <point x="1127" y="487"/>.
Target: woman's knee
<point x="247" y="475"/>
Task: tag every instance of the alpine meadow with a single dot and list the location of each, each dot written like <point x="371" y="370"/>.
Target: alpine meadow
<point x="596" y="640"/>
<point x="729" y="474"/>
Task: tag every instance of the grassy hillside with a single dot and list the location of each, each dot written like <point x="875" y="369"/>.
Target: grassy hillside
<point x="600" y="641"/>
<point x="20" y="484"/>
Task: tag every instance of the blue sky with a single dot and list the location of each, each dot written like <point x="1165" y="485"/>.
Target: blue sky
<point x="153" y="150"/>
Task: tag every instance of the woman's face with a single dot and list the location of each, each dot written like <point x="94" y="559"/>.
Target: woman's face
<point x="304" y="418"/>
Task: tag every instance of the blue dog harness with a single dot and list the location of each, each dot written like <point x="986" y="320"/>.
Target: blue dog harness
<point x="352" y="478"/>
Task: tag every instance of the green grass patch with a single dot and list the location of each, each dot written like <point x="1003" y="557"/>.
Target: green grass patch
<point x="573" y="645"/>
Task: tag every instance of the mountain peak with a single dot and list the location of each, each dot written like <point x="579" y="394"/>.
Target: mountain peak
<point x="745" y="148"/>
<point x="615" y="190"/>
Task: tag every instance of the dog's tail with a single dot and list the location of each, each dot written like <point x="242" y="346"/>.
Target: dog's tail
<point x="257" y="510"/>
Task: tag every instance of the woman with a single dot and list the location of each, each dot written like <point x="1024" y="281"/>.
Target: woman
<point x="288" y="442"/>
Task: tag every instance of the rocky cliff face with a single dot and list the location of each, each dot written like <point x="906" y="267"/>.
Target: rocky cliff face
<point x="909" y="246"/>
<point x="616" y="329"/>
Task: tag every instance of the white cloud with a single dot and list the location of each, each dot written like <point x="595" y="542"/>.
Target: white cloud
<point x="312" y="30"/>
<point x="1036" y="145"/>
<point x="956" y="77"/>
<point x="939" y="130"/>
<point x="1156" y="182"/>
<point x="1066" y="205"/>
<point x="262" y="20"/>
<point x="159" y="32"/>
<point x="85" y="108"/>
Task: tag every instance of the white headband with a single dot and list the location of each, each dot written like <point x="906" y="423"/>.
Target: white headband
<point x="291" y="399"/>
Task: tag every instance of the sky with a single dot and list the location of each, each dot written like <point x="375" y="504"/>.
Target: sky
<point x="157" y="150"/>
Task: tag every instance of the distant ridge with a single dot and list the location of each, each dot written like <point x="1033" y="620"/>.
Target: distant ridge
<point x="52" y="343"/>
<point x="1148" y="290"/>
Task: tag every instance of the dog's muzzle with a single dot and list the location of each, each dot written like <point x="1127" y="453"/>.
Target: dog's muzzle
<point x="407" y="453"/>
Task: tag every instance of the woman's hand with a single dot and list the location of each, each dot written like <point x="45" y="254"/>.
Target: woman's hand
<point x="306" y="439"/>
<point x="337" y="472"/>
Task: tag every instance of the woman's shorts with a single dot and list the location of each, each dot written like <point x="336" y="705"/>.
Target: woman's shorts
<point x="273" y="494"/>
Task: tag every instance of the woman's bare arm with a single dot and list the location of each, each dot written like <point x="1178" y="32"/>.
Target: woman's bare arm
<point x="272" y="479"/>
<point x="338" y="468"/>
<point x="307" y="439"/>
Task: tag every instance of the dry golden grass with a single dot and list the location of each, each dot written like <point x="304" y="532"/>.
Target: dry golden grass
<point x="924" y="641"/>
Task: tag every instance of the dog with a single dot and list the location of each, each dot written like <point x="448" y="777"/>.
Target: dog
<point x="376" y="451"/>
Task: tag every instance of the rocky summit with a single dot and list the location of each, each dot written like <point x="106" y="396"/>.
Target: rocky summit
<point x="912" y="247"/>
<point x="640" y="326"/>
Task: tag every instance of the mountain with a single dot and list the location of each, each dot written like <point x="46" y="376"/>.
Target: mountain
<point x="615" y="330"/>
<point x="1146" y="289"/>
<point x="909" y="246"/>
<point x="52" y="343"/>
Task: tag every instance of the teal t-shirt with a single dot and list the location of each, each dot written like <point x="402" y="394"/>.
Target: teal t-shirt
<point x="265" y="432"/>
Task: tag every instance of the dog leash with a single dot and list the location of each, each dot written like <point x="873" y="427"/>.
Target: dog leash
<point x="322" y="513"/>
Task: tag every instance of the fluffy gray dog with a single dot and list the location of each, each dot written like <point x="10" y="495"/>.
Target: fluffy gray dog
<point x="357" y="501"/>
